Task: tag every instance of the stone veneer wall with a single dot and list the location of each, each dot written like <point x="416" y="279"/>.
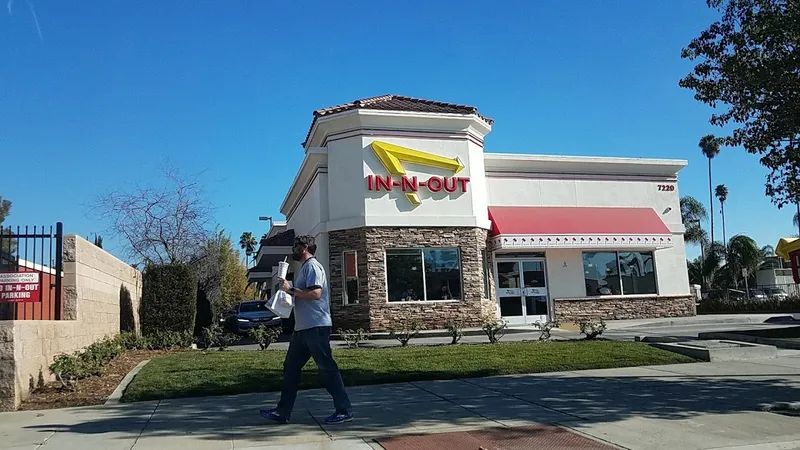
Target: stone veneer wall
<point x="353" y="315"/>
<point x="621" y="308"/>
<point x="92" y="282"/>
<point x="374" y="311"/>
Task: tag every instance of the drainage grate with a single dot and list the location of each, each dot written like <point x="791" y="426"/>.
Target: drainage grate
<point x="539" y="437"/>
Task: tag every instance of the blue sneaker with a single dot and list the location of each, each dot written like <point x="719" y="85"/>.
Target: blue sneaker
<point x="339" y="418"/>
<point x="273" y="415"/>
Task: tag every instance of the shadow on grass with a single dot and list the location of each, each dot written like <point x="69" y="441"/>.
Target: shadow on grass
<point x="544" y="399"/>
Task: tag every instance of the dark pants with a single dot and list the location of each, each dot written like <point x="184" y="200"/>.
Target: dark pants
<point x="305" y="344"/>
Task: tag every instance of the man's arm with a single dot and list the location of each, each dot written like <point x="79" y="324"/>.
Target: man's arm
<point x="312" y="293"/>
<point x="314" y="280"/>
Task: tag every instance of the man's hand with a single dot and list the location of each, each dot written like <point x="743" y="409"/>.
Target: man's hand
<point x="285" y="287"/>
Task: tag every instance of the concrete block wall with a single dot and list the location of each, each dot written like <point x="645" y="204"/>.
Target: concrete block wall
<point x="92" y="282"/>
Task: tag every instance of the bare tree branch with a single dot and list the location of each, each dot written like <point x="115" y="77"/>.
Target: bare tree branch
<point x="159" y="225"/>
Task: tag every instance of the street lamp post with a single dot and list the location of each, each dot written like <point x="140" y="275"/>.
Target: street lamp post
<point x="262" y="218"/>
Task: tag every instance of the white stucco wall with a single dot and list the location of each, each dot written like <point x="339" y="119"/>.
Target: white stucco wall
<point x="311" y="216"/>
<point x="576" y="190"/>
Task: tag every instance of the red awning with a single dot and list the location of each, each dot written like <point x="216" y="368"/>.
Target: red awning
<point x="585" y="227"/>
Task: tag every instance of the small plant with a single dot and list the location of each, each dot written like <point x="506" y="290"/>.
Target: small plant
<point x="494" y="329"/>
<point x="456" y="329"/>
<point x="40" y="383"/>
<point x="132" y="341"/>
<point x="408" y="330"/>
<point x="169" y="340"/>
<point x="591" y="329"/>
<point x="68" y="369"/>
<point x="264" y="336"/>
<point x="353" y="337"/>
<point x="211" y="336"/>
<point x="545" y="328"/>
<point x="226" y="340"/>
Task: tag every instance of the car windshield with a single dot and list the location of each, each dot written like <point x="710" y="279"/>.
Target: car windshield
<point x="254" y="307"/>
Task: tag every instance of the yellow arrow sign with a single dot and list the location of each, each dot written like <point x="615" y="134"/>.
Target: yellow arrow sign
<point x="391" y="156"/>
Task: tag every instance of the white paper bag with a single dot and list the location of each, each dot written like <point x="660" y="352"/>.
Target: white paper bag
<point x="281" y="304"/>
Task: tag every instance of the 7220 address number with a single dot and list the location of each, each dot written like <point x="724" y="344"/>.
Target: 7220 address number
<point x="666" y="187"/>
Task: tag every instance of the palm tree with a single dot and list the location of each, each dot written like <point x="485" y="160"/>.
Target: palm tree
<point x="722" y="194"/>
<point x="692" y="214"/>
<point x="248" y="243"/>
<point x="709" y="144"/>
<point x="796" y="219"/>
<point x="743" y="253"/>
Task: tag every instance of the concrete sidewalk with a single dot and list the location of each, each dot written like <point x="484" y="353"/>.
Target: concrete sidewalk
<point x="689" y="406"/>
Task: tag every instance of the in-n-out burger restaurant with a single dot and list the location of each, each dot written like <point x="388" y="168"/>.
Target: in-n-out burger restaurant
<point x="413" y="219"/>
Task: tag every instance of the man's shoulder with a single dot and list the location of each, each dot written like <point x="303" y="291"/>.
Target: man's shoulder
<point x="314" y="264"/>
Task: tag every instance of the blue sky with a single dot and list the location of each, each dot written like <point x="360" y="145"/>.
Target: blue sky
<point x="100" y="93"/>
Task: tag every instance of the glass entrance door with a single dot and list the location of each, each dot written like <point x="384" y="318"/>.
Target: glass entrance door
<point x="522" y="290"/>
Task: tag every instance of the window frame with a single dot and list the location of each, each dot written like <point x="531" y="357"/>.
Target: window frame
<point x="421" y="250"/>
<point x="345" y="298"/>
<point x="619" y="272"/>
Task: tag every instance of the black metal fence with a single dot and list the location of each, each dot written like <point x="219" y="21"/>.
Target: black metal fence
<point x="34" y="249"/>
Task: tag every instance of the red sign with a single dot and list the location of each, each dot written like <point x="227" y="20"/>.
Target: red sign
<point x="412" y="184"/>
<point x="19" y="287"/>
<point x="795" y="257"/>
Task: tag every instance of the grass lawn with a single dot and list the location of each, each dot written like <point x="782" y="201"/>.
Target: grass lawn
<point x="196" y="374"/>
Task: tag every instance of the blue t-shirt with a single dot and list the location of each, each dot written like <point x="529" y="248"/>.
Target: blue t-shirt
<point x="312" y="313"/>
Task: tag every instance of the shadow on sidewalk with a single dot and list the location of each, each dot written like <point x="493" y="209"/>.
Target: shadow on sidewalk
<point x="580" y="399"/>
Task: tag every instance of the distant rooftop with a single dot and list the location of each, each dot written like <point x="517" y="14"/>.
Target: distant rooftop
<point x="393" y="102"/>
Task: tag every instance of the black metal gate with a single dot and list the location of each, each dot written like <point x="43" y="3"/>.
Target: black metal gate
<point x="36" y="249"/>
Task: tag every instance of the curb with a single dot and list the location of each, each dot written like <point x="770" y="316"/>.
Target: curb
<point x="703" y="319"/>
<point x="115" y="396"/>
<point x="732" y="335"/>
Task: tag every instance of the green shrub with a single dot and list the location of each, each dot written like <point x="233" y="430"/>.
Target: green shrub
<point x="721" y="305"/>
<point x="227" y="339"/>
<point x="264" y="336"/>
<point x="353" y="338"/>
<point x="132" y="341"/>
<point x="591" y="329"/>
<point x="69" y="368"/>
<point x="169" y="340"/>
<point x="98" y="354"/>
<point x="407" y="330"/>
<point x="494" y="328"/>
<point x="210" y="336"/>
<point x="545" y="328"/>
<point x="169" y="299"/>
<point x="456" y="329"/>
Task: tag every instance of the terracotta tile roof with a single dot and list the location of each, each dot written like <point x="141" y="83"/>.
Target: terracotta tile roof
<point x="282" y="239"/>
<point x="391" y="102"/>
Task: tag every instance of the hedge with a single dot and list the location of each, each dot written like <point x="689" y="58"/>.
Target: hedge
<point x="721" y="305"/>
<point x="169" y="299"/>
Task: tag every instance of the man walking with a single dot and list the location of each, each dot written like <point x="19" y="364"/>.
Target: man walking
<point x="311" y="337"/>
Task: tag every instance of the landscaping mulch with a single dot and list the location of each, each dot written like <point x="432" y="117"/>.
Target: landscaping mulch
<point x="91" y="391"/>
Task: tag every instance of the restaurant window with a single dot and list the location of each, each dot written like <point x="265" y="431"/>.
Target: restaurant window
<point x="619" y="273"/>
<point x="423" y="274"/>
<point x="350" y="275"/>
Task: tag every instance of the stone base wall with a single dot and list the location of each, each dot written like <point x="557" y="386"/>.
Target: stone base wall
<point x="93" y="285"/>
<point x="353" y="315"/>
<point x="621" y="308"/>
<point x="374" y="312"/>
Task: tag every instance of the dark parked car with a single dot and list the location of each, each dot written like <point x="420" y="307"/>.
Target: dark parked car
<point x="248" y="315"/>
